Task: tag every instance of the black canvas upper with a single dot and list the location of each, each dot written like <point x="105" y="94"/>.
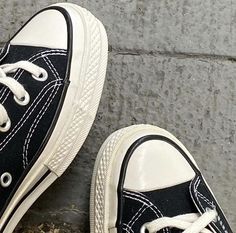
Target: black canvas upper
<point x="137" y="208"/>
<point x="30" y="124"/>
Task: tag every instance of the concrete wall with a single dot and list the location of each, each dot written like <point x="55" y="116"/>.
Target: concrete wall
<point x="172" y="64"/>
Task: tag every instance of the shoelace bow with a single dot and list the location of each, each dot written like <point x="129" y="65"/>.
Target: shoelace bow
<point x="21" y="96"/>
<point x="189" y="223"/>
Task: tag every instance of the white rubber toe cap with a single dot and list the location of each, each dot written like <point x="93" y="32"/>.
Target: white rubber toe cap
<point x="47" y="29"/>
<point x="156" y="164"/>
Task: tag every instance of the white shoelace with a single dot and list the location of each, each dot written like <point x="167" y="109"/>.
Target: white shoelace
<point x="189" y="223"/>
<point x="21" y="96"/>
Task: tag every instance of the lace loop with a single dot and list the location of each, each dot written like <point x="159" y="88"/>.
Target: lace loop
<point x="189" y="223"/>
<point x="42" y="76"/>
<point x="16" y="88"/>
<point x="3" y="116"/>
<point x="24" y="100"/>
<point x="21" y="96"/>
<point x="24" y="65"/>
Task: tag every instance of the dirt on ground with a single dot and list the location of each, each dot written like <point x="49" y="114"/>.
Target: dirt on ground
<point x="46" y="228"/>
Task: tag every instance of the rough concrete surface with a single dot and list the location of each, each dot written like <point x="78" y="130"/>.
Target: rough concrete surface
<point x="172" y="64"/>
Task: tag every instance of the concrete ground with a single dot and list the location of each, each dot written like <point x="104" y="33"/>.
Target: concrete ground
<point x="172" y="64"/>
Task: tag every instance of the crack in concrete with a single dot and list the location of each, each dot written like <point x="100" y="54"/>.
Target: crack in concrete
<point x="180" y="55"/>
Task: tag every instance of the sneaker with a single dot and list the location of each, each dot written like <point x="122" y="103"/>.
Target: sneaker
<point x="51" y="77"/>
<point x="145" y="180"/>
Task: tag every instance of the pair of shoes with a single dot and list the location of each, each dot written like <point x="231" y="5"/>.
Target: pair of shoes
<point x="52" y="73"/>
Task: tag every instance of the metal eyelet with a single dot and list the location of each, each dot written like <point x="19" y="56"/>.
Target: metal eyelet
<point x="6" y="126"/>
<point x="24" y="101"/>
<point x="42" y="77"/>
<point x="6" y="179"/>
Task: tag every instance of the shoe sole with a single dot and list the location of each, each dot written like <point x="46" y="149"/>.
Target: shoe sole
<point x="73" y="125"/>
<point x="105" y="175"/>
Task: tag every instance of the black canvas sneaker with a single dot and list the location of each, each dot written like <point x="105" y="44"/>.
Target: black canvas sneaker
<point x="51" y="77"/>
<point x="145" y="180"/>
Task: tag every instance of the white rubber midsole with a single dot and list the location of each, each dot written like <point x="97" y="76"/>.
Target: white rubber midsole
<point x="103" y="197"/>
<point x="87" y="76"/>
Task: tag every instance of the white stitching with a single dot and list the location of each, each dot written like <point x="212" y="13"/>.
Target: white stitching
<point x="28" y="139"/>
<point x="144" y="203"/>
<point x="36" y="121"/>
<point x="137" y="217"/>
<point x="26" y="145"/>
<point x="17" y="129"/>
<point x="195" y="186"/>
<point x="212" y="205"/>
<point x="52" y="67"/>
<point x="206" y="200"/>
<point x="151" y="205"/>
<point x="18" y="74"/>
<point x="39" y="117"/>
<point x="139" y="196"/>
<point x="125" y="228"/>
